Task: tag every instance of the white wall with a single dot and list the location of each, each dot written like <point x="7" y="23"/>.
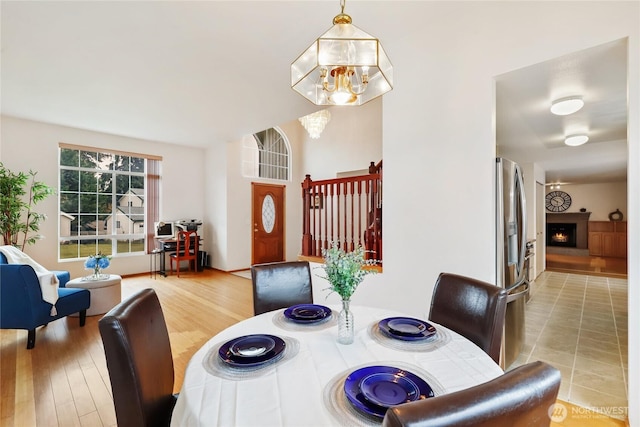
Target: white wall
<point x="215" y="198"/>
<point x="239" y="221"/>
<point x="599" y="199"/>
<point x="439" y="139"/>
<point x="34" y="145"/>
<point x="351" y="140"/>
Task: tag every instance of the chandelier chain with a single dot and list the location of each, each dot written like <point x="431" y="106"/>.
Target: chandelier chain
<point x="342" y="4"/>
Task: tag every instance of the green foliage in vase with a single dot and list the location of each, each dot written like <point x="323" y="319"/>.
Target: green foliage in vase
<point x="345" y="270"/>
<point x="17" y="215"/>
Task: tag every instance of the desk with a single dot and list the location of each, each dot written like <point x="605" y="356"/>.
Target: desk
<point x="293" y="392"/>
<point x="168" y="246"/>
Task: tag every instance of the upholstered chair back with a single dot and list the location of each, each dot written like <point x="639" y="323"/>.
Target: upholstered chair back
<point x="280" y="285"/>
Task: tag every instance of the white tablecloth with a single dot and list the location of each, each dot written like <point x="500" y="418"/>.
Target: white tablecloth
<point x="292" y="392"/>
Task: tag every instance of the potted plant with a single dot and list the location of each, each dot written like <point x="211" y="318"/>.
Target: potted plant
<point x="345" y="271"/>
<point x="19" y="193"/>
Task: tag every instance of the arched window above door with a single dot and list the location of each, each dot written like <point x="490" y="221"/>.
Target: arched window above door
<point x="266" y="155"/>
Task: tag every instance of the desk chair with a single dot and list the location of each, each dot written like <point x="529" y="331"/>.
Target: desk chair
<point x="187" y="243"/>
<point x="280" y="285"/>
<point x="474" y="309"/>
<point x="139" y="361"/>
<point x="522" y="397"/>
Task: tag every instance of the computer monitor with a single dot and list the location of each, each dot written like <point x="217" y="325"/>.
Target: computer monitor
<point x="164" y="230"/>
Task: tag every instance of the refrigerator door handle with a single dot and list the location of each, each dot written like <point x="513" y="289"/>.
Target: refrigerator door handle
<point x="519" y="294"/>
<point x="523" y="226"/>
<point x="518" y="283"/>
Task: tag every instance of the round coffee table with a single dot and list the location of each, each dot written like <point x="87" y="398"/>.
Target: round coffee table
<point x="105" y="292"/>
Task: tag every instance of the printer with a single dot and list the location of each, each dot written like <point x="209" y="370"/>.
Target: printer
<point x="189" y="225"/>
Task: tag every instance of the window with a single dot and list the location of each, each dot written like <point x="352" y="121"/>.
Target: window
<point x="105" y="200"/>
<point x="266" y="155"/>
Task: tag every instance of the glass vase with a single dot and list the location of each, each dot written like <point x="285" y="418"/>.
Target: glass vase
<point x="96" y="275"/>
<point x="345" y="324"/>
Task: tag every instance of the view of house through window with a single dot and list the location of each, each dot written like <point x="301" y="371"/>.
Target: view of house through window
<point x="102" y="203"/>
<point x="266" y="155"/>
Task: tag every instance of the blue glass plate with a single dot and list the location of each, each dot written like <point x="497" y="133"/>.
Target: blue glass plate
<point x="373" y="389"/>
<point x="252" y="350"/>
<point x="406" y="328"/>
<point x="388" y="389"/>
<point x="307" y="313"/>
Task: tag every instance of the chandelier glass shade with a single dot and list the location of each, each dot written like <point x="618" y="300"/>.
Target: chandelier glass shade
<point x="344" y="66"/>
<point x="314" y="123"/>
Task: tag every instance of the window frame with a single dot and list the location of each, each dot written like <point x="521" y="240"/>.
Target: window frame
<point x="256" y="161"/>
<point x="133" y="242"/>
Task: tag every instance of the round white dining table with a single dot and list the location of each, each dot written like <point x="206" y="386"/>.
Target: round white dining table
<point x="305" y="387"/>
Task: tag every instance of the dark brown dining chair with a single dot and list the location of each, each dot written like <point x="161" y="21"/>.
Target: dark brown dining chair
<point x="472" y="308"/>
<point x="187" y="243"/>
<point x="280" y="285"/>
<point x="139" y="361"/>
<point x="521" y="397"/>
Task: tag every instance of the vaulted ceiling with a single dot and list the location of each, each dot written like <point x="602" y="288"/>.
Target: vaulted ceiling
<point x="204" y="73"/>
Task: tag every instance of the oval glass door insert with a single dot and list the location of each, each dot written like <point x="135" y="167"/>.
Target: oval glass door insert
<point x="268" y="213"/>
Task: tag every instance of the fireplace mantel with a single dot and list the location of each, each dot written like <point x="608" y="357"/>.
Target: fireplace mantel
<point x="568" y="217"/>
<point x="581" y="219"/>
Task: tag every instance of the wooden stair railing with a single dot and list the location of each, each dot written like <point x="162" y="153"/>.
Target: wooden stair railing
<point x="344" y="210"/>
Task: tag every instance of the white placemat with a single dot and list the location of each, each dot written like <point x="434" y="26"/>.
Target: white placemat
<point x="440" y="339"/>
<point x="216" y="366"/>
<point x="281" y="321"/>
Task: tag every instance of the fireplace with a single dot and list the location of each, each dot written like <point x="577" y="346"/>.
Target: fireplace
<point x="575" y="226"/>
<point x="561" y="234"/>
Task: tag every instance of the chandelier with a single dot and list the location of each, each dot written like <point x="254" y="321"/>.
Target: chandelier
<point x="344" y="66"/>
<point x="314" y="123"/>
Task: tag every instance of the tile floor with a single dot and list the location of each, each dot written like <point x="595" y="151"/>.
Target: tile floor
<point x="578" y="323"/>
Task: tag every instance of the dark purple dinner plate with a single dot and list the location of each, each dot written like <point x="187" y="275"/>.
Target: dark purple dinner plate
<point x="373" y="389"/>
<point x="406" y="328"/>
<point x="307" y="313"/>
<point x="252" y="350"/>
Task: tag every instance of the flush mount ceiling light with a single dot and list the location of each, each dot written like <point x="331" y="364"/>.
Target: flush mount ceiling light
<point x="566" y="106"/>
<point x="575" y="140"/>
<point x="344" y="66"/>
<point x="314" y="123"/>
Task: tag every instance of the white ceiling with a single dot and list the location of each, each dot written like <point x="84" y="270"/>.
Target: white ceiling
<point x="203" y="73"/>
<point x="528" y="133"/>
<point x="194" y="73"/>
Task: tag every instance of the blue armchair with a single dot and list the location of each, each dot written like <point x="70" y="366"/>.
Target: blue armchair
<point x="21" y="303"/>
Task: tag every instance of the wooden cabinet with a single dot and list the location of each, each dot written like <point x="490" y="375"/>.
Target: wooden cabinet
<point x="608" y="238"/>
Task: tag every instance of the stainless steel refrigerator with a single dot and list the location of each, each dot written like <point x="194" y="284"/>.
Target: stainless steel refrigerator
<point x="511" y="248"/>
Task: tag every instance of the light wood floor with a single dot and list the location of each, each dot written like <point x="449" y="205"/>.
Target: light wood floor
<point x="593" y="265"/>
<point x="64" y="381"/>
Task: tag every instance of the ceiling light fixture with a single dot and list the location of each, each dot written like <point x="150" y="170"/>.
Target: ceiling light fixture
<point x="575" y="140"/>
<point x="314" y="123"/>
<point x="344" y="66"/>
<point x="566" y="106"/>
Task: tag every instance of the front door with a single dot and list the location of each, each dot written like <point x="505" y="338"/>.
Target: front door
<point x="268" y="223"/>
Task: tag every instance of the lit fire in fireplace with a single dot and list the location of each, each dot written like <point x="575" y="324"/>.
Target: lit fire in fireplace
<point x="560" y="237"/>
